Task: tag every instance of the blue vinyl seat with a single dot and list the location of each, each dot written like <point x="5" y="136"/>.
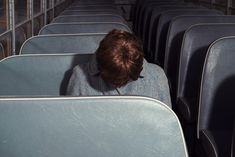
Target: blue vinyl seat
<point x="216" y="105"/>
<point x="94" y="2"/>
<point x="176" y="31"/>
<point x="194" y="48"/>
<point x="140" y="5"/>
<point x="156" y="26"/>
<point x="83" y="27"/>
<point x="83" y="43"/>
<point x="147" y="14"/>
<point x="163" y="26"/>
<point x="88" y="18"/>
<point x="93" y="12"/>
<point x="38" y="75"/>
<point x="92" y="7"/>
<point x="89" y="126"/>
<point x="148" y="8"/>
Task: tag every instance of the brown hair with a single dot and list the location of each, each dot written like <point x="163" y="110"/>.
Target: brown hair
<point x="120" y="57"/>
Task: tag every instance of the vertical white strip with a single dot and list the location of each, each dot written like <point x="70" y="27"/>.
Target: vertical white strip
<point x="44" y="8"/>
<point x="30" y="10"/>
<point x="229" y="6"/>
<point x="12" y="23"/>
<point x="53" y="7"/>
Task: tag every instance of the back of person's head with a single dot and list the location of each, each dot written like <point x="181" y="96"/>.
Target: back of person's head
<point x="120" y="57"/>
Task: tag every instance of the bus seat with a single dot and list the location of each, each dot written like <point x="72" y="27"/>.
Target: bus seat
<point x="176" y="30"/>
<point x="92" y="7"/>
<point x="147" y="15"/>
<point x="94" y="12"/>
<point x="89" y="126"/>
<point x="83" y="27"/>
<point x="140" y="5"/>
<point x="163" y="26"/>
<point x="88" y="18"/>
<point x="82" y="43"/>
<point x="93" y="2"/>
<point x="154" y="31"/>
<point x="216" y="107"/>
<point x="194" y="47"/>
<point x="38" y="75"/>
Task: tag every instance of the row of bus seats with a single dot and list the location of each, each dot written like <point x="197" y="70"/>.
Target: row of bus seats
<point x="37" y="120"/>
<point x="86" y="24"/>
<point x="179" y="36"/>
<point x="83" y="38"/>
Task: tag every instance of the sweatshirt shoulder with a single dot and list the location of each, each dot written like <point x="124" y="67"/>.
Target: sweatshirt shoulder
<point x="154" y="69"/>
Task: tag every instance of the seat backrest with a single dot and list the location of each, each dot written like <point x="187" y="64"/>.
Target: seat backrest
<point x="194" y="47"/>
<point x="176" y="30"/>
<point x="94" y="2"/>
<point x="146" y="16"/>
<point x="163" y="25"/>
<point x="141" y="5"/>
<point x="82" y="27"/>
<point x="85" y="8"/>
<point x="149" y="7"/>
<point x="91" y="10"/>
<point x="83" y="43"/>
<point x="28" y="75"/>
<point x="89" y="126"/>
<point x="91" y="18"/>
<point x="216" y="110"/>
<point x="90" y="5"/>
<point x="94" y="12"/>
<point x="138" y="15"/>
<point x="153" y="27"/>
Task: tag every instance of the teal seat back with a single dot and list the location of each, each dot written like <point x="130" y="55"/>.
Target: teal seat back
<point x="88" y="18"/>
<point x="37" y="75"/>
<point x="62" y="43"/>
<point x="94" y="12"/>
<point x="82" y="27"/>
<point x="89" y="126"/>
<point x="216" y="105"/>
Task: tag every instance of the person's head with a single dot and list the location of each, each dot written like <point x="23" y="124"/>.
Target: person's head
<point x="120" y="57"/>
